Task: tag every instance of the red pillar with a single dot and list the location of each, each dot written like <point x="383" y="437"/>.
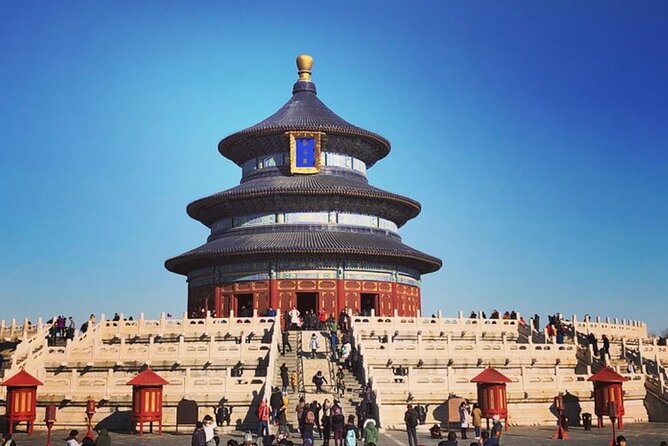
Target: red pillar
<point x="394" y="299"/>
<point x="340" y="296"/>
<point x="273" y="293"/>
<point x="219" y="303"/>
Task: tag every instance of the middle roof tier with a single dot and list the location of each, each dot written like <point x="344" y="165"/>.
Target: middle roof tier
<point x="302" y="193"/>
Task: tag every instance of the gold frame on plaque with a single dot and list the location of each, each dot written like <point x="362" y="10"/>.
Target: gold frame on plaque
<point x="317" y="136"/>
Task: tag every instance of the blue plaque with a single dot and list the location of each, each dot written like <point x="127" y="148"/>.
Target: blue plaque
<point x="305" y="156"/>
<point x="305" y="148"/>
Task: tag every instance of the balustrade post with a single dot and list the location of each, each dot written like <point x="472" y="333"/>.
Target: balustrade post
<point x="623" y="354"/>
<point x="110" y="382"/>
<point x="151" y="343"/>
<point x="181" y="348"/>
<point x="121" y="350"/>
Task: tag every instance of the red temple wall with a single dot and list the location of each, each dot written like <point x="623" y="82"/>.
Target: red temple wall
<point x="333" y="296"/>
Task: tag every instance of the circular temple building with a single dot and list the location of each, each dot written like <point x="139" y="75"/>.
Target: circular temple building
<point x="304" y="228"/>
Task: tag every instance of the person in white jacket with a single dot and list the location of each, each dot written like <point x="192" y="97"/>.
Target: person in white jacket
<point x="71" y="439"/>
<point x="314" y="345"/>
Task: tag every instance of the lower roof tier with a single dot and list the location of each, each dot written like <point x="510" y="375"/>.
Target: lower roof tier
<point x="320" y="192"/>
<point x="302" y="244"/>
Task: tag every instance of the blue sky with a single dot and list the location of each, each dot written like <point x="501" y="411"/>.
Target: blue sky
<point x="533" y="133"/>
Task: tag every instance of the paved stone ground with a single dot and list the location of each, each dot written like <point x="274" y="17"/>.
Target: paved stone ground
<point x="650" y="434"/>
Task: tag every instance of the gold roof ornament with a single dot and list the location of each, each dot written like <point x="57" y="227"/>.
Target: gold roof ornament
<point x="304" y="65"/>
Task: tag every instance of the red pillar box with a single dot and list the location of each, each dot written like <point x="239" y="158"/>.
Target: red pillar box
<point x="147" y="399"/>
<point x="492" y="394"/>
<point x="21" y="400"/>
<point x="608" y="389"/>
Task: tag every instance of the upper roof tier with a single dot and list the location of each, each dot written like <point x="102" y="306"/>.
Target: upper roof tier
<point x="304" y="112"/>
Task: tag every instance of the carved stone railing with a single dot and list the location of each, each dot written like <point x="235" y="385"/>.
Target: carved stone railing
<point x="612" y="328"/>
<point x="442" y="352"/>
<point x="410" y="326"/>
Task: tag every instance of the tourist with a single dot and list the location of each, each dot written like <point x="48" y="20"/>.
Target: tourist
<point x="275" y="402"/>
<point x="208" y="425"/>
<point x="294" y="318"/>
<point x="370" y="432"/>
<point x="322" y="318"/>
<point x="283" y="416"/>
<point x="476" y="417"/>
<point x="294" y="379"/>
<point x="488" y="440"/>
<point x="464" y="418"/>
<point x="285" y="378"/>
<point x="319" y="380"/>
<point x="308" y="424"/>
<point x="450" y="441"/>
<point x="332" y="325"/>
<point x="522" y="322"/>
<point x="497" y="427"/>
<point x="285" y="341"/>
<point x="326" y="430"/>
<point x="605" y="351"/>
<point x="333" y="344"/>
<point x="263" y="418"/>
<point x="338" y="423"/>
<point x="362" y="416"/>
<point x="315" y="407"/>
<point x="314" y="345"/>
<point x="621" y="441"/>
<point x="591" y="340"/>
<point x="351" y="433"/>
<point x="88" y="441"/>
<point x="340" y="382"/>
<point x="630" y="368"/>
<point x="495" y="314"/>
<point x="346" y="349"/>
<point x="411" y="420"/>
<point x="7" y="439"/>
<point x="71" y="439"/>
<point x="299" y="408"/>
<point x="536" y="322"/>
<point x="473" y="315"/>
<point x="103" y="438"/>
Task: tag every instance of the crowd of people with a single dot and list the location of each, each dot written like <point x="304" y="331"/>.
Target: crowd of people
<point x="103" y="439"/>
<point x="312" y="320"/>
<point x="61" y="328"/>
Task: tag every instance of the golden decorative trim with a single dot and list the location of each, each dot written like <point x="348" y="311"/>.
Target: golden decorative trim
<point x="317" y="137"/>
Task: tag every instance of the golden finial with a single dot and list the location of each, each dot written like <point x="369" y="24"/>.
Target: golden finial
<point x="304" y="65"/>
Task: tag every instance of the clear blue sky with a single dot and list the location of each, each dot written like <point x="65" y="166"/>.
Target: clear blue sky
<point x="533" y="133"/>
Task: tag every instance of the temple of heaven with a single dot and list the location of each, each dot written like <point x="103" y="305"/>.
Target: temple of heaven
<point x="304" y="228"/>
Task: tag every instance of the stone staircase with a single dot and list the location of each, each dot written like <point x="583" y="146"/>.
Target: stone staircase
<point x="301" y="359"/>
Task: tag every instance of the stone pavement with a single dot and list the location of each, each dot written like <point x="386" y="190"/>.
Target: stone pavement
<point x="650" y="434"/>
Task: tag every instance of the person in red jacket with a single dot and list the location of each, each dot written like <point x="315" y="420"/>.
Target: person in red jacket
<point x="263" y="418"/>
